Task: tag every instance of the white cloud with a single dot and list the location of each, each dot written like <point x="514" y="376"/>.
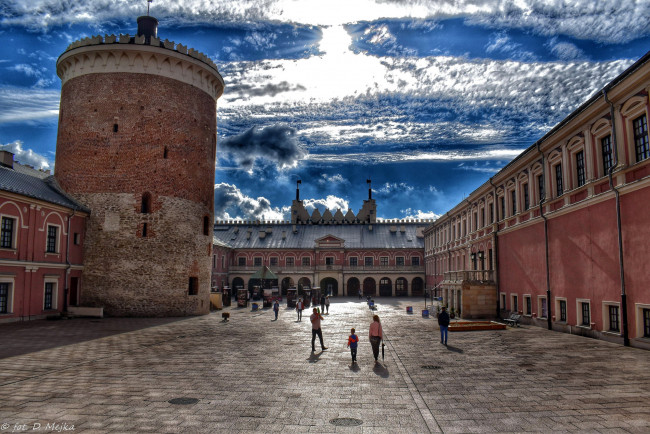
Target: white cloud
<point x="394" y="187"/>
<point x="26" y="156"/>
<point x="331" y="180"/>
<point x="410" y="213"/>
<point x="331" y="203"/>
<point x="28" y="105"/>
<point x="231" y="203"/>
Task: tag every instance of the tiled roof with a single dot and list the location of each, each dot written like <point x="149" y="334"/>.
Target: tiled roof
<point x="37" y="185"/>
<point x="354" y="236"/>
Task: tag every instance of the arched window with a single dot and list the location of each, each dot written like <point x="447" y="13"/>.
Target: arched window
<point x="146" y="203"/>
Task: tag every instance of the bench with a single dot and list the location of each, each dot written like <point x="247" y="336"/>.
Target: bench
<point x="513" y="320"/>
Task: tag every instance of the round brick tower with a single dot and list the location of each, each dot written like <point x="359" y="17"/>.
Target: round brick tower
<point x="136" y="144"/>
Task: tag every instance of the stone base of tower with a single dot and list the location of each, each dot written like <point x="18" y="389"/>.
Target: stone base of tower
<point x="165" y="272"/>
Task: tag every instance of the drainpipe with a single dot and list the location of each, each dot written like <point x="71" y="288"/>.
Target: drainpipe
<point x="542" y="200"/>
<point x="626" y="336"/>
<point x="66" y="287"/>
<point x="496" y="249"/>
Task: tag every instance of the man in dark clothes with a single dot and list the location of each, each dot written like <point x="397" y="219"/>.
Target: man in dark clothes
<point x="443" y="322"/>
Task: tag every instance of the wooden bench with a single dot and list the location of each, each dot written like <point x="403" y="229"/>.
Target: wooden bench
<point x="513" y="320"/>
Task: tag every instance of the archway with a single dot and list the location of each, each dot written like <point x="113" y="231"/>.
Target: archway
<point x="369" y="286"/>
<point x="287" y="283"/>
<point x="417" y="287"/>
<point x="401" y="287"/>
<point x="237" y="283"/>
<point x="385" y="287"/>
<point x="353" y="286"/>
<point x="303" y="282"/>
<point x="329" y="286"/>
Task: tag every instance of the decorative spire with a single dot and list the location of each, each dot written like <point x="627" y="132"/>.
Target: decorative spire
<point x="298" y="182"/>
<point x="369" y="189"/>
<point x="148" y="4"/>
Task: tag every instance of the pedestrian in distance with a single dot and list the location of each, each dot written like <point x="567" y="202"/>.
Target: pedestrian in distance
<point x="322" y="303"/>
<point x="299" y="307"/>
<point x="359" y="294"/>
<point x="276" y="308"/>
<point x="376" y="335"/>
<point x="316" y="318"/>
<point x="327" y="304"/>
<point x="443" y="323"/>
<point x="353" y="341"/>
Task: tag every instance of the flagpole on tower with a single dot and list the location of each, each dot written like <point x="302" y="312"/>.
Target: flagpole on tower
<point x="148" y="4"/>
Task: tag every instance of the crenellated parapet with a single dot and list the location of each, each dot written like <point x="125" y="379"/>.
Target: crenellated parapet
<point x="137" y="54"/>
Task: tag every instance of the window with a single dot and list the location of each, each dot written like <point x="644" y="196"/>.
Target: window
<point x="543" y="306"/>
<point x="49" y="292"/>
<point x="257" y="261"/>
<point x="563" y="310"/>
<point x="640" y="127"/>
<point x="7" y="234"/>
<point x="51" y="239"/>
<point x="165" y="152"/>
<point x="193" y="286"/>
<point x="274" y="261"/>
<point x="368" y="261"/>
<point x="580" y="168"/>
<point x="214" y="261"/>
<point x="513" y="199"/>
<point x="383" y="260"/>
<point x="329" y="261"/>
<point x="606" y="147"/>
<point x="586" y="319"/>
<point x="503" y="207"/>
<point x="290" y="261"/>
<point x="490" y="259"/>
<point x="646" y="323"/>
<point x="526" y="197"/>
<point x="515" y="303"/>
<point x="4" y="297"/>
<point x="144" y="230"/>
<point x="77" y="238"/>
<point x="482" y="217"/>
<point x="491" y="213"/>
<point x="415" y="261"/>
<point x="558" y="180"/>
<point x="613" y="319"/>
<point x="399" y="261"/>
<point x="540" y="187"/>
<point x="529" y="309"/>
<point x="306" y="261"/>
<point x="503" y="302"/>
<point x="145" y="206"/>
<point x="206" y="225"/>
<point x="115" y="128"/>
<point x="241" y="261"/>
<point x="354" y="261"/>
<point x="223" y="262"/>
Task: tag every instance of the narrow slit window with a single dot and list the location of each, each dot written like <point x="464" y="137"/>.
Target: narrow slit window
<point x="115" y="128"/>
<point x="165" y="152"/>
<point x="145" y="207"/>
<point x="144" y="230"/>
<point x="193" y="287"/>
<point x="206" y="225"/>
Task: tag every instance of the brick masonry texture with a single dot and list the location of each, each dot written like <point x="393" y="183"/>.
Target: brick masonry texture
<point x="164" y="145"/>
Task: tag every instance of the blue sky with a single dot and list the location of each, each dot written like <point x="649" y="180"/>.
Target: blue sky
<point x="428" y="99"/>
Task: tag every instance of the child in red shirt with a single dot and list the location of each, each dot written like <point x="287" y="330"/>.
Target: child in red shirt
<point x="353" y="340"/>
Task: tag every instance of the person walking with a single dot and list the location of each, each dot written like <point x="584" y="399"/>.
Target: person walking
<point x="316" y="318"/>
<point x="353" y="341"/>
<point x="276" y="308"/>
<point x="359" y="294"/>
<point x="443" y="323"/>
<point x="322" y="303"/>
<point x="376" y="335"/>
<point x="299" y="307"/>
<point x="327" y="304"/>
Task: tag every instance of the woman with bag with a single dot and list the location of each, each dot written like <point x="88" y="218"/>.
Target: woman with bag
<point x="376" y="336"/>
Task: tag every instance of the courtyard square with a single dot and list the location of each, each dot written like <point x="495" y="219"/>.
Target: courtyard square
<point x="254" y="374"/>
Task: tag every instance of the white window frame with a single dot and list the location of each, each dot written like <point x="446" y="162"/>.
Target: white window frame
<point x="397" y="264"/>
<point x="261" y="259"/>
<point x="632" y="109"/>
<point x="57" y="247"/>
<point x="384" y="258"/>
<point x="601" y="129"/>
<point x="579" y="319"/>
<point x="606" y="324"/>
<point x="55" y="293"/>
<point x="14" y="233"/>
<point x="525" y="305"/>
<point x="10" y="294"/>
<point x="574" y="146"/>
<point x="638" y="310"/>
<point x="539" y="306"/>
<point x="557" y="309"/>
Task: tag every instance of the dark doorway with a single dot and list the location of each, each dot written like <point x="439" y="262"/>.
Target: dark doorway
<point x="369" y="287"/>
<point x="385" y="287"/>
<point x="401" y="287"/>
<point x="353" y="287"/>
<point x="329" y="286"/>
<point x="417" y="288"/>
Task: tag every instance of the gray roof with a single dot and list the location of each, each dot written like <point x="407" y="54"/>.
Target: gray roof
<point x="354" y="236"/>
<point x="37" y="185"/>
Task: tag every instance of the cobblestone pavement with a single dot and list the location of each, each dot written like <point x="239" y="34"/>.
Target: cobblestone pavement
<point x="253" y="374"/>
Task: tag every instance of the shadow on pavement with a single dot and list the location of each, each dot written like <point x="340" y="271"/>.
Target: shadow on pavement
<point x="454" y="349"/>
<point x="314" y="357"/>
<point x="354" y="367"/>
<point x="381" y="370"/>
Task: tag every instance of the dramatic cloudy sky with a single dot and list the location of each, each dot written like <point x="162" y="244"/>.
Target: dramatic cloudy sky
<point x="426" y="98"/>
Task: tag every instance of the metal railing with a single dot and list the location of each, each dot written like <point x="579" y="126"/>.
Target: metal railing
<point x="471" y="275"/>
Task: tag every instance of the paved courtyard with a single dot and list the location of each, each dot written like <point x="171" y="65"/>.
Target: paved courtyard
<point x="253" y="374"/>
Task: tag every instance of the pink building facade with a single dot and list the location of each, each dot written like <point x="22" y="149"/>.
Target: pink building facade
<point x="560" y="234"/>
<point x="41" y="244"/>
